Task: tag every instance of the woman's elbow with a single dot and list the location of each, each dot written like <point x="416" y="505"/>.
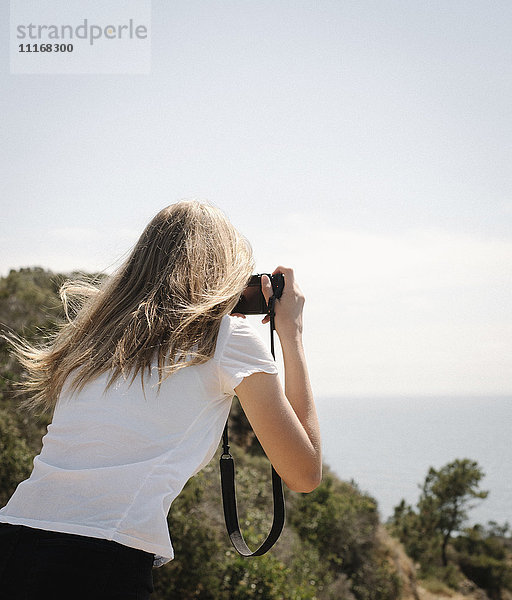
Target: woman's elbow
<point x="306" y="484"/>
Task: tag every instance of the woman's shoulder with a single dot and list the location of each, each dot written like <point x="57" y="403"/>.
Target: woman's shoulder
<point x="234" y="327"/>
<point x="229" y="327"/>
<point x="238" y="335"/>
<point x="240" y="352"/>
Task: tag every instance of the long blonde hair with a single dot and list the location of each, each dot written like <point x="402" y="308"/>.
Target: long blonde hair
<point x="165" y="302"/>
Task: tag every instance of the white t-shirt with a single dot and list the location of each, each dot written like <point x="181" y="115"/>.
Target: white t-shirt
<point x="112" y="463"/>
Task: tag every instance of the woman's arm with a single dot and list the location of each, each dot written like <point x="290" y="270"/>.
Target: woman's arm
<point x="285" y="422"/>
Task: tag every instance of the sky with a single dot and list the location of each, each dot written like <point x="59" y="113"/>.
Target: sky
<point x="365" y="144"/>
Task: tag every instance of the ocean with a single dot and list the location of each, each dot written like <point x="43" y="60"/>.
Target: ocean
<point x="386" y="445"/>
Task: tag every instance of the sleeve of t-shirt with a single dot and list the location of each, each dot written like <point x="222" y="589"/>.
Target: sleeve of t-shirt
<point x="243" y="354"/>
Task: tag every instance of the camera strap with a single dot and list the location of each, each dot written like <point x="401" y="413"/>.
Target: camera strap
<point x="227" y="476"/>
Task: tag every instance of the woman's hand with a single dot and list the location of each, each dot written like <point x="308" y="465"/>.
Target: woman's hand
<point x="289" y="307"/>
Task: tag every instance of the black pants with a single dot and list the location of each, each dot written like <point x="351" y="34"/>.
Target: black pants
<point x="37" y="564"/>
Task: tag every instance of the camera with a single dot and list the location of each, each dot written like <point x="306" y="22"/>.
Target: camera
<point x="252" y="301"/>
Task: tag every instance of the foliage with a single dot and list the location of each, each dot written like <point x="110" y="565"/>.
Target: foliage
<point x="29" y="301"/>
<point x="482" y="555"/>
<point x="436" y="586"/>
<point x="341" y="522"/>
<point x="263" y="578"/>
<point x="442" y="509"/>
<point x="353" y="515"/>
<point x="408" y="526"/>
<point x="15" y="456"/>
<point x="445" y="498"/>
<point x="193" y="573"/>
<point x="29" y="306"/>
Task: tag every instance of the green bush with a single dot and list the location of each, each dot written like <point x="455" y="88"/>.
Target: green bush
<point x="341" y="523"/>
<point x="484" y="557"/>
<point x="29" y="301"/>
<point x="15" y="456"/>
<point x="261" y="578"/>
<point x="491" y="574"/>
<point x="194" y="571"/>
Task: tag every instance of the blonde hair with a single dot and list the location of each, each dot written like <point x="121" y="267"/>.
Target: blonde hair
<point x="166" y="301"/>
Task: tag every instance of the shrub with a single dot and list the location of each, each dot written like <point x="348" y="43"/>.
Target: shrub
<point x="341" y="523"/>
<point x="15" y="456"/>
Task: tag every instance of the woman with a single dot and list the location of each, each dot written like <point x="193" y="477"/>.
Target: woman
<point x="140" y="382"/>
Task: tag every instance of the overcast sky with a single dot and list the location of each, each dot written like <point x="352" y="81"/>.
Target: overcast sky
<point x="366" y="144"/>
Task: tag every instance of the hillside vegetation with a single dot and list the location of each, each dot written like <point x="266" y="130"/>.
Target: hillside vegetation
<point x="333" y="546"/>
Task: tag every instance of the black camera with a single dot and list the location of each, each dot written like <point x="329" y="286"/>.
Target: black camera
<point x="252" y="301"/>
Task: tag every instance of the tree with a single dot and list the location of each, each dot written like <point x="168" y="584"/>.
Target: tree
<point x="446" y="496"/>
<point x="420" y="542"/>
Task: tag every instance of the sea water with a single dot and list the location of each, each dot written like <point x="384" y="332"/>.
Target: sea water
<point x="386" y="445"/>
